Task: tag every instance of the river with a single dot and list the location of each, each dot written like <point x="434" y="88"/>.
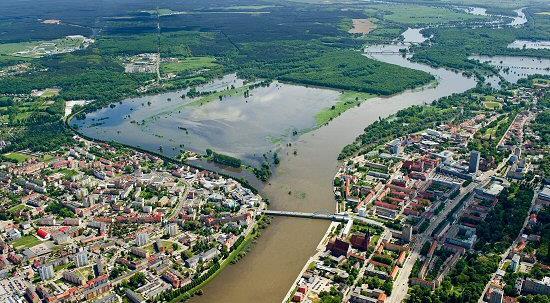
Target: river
<point x="302" y="182"/>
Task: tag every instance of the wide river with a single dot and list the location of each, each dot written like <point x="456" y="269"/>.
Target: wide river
<point x="266" y="273"/>
<point x="302" y="181"/>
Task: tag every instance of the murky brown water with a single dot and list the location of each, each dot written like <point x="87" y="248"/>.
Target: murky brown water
<point x="267" y="272"/>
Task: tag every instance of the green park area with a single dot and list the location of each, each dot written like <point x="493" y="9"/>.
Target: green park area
<point x="419" y="15"/>
<point x="190" y="64"/>
<point x="347" y="100"/>
<point x="18" y="157"/>
<point x="25" y="242"/>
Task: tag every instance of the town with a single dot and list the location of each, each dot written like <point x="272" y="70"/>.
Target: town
<point x="101" y="223"/>
<point x="432" y="205"/>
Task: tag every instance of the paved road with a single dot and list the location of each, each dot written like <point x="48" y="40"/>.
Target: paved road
<point x="401" y="283"/>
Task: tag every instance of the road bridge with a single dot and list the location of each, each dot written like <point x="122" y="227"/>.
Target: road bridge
<point x="338" y="217"/>
<point x="322" y="216"/>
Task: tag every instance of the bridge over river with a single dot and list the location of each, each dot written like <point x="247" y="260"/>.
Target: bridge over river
<point x="339" y="217"/>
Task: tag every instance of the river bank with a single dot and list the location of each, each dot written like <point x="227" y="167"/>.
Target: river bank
<point x="302" y="182"/>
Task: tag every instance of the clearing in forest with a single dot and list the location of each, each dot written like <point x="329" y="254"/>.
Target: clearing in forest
<point x="362" y="26"/>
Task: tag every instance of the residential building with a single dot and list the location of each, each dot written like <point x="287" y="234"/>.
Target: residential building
<point x="46" y="272"/>
<point x="141" y="239"/>
<point x="473" y="165"/>
<point x="81" y="258"/>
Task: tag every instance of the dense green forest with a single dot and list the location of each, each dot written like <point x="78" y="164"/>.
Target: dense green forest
<point x="352" y="71"/>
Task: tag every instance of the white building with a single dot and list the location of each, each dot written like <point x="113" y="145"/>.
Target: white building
<point x="141" y="239"/>
<point x="81" y="258"/>
<point x="46" y="272"/>
<point x="172" y="229"/>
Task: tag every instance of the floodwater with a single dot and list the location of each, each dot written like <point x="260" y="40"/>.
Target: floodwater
<point x="303" y="182"/>
<point x="520" y="19"/>
<point x="243" y="127"/>
<point x="478" y="11"/>
<point x="516" y="21"/>
<point x="513" y="68"/>
<point x="413" y="35"/>
<point x="527" y="44"/>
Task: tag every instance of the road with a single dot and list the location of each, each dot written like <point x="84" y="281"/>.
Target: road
<point x="401" y="283"/>
<point x="176" y="210"/>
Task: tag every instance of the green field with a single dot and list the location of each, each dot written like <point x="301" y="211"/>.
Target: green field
<point x="68" y="173"/>
<point x="187" y="65"/>
<point x="25" y="242"/>
<point x="492" y="105"/>
<point x="17" y="208"/>
<point x="19" y="157"/>
<point x="410" y="14"/>
<point x="37" y="49"/>
<point x="347" y="101"/>
<point x="48" y="93"/>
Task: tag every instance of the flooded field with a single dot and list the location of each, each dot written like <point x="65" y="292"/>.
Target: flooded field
<point x="413" y="35"/>
<point x="526" y="44"/>
<point x="244" y="122"/>
<point x="514" y="68"/>
<point x="284" y="247"/>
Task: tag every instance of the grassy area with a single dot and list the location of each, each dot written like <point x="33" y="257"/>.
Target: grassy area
<point x="17" y="208"/>
<point x="25" y="242"/>
<point x="48" y="93"/>
<point x="492" y="131"/>
<point x="411" y="14"/>
<point x="216" y="96"/>
<point x="68" y="173"/>
<point x="86" y="271"/>
<point x="19" y="157"/>
<point x="36" y="49"/>
<point x="347" y="101"/>
<point x="492" y="105"/>
<point x="47" y="158"/>
<point x="186" y="65"/>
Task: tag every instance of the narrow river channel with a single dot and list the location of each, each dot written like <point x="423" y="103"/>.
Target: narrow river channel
<point x="303" y="182"/>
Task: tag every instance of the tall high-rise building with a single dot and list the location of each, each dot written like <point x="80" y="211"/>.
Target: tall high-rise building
<point x="474" y="161"/>
<point x="81" y="258"/>
<point x="406" y="233"/>
<point x="141" y="239"/>
<point x="46" y="272"/>
<point x="99" y="268"/>
<point x="496" y="296"/>
<point x="172" y="229"/>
